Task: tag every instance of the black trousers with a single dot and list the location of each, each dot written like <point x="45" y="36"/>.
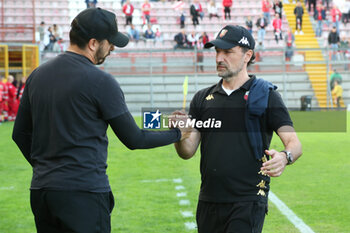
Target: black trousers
<point x="128" y="19"/>
<point x="227" y="12"/>
<point x="71" y="211"/>
<point x="195" y="20"/>
<point x="301" y="23"/>
<point x="238" y="217"/>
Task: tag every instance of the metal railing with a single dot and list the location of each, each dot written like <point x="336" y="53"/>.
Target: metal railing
<point x="153" y="65"/>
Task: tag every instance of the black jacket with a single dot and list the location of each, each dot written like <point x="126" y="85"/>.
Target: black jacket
<point x="298" y="11"/>
<point x="180" y="39"/>
<point x="193" y="11"/>
<point x="333" y="38"/>
<point x="258" y="22"/>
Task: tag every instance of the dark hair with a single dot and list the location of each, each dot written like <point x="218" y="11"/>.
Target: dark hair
<point x="252" y="59"/>
<point x="76" y="36"/>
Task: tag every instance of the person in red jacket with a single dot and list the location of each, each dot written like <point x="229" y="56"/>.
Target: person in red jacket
<point x="265" y="7"/>
<point x="227" y="4"/>
<point x="336" y="16"/>
<point x="128" y="10"/>
<point x="21" y="89"/>
<point x="4" y="94"/>
<point x="1" y="88"/>
<point x="277" y="26"/>
<point x="146" y="12"/>
<point x="12" y="100"/>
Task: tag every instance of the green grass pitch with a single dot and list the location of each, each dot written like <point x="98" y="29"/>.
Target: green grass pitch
<point x="316" y="188"/>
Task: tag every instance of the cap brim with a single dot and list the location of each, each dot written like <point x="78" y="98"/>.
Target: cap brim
<point x="120" y="40"/>
<point x="221" y="44"/>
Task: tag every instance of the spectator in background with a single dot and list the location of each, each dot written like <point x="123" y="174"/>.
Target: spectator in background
<point x="128" y="10"/>
<point x="337" y="93"/>
<point x="289" y="38"/>
<point x="21" y="89"/>
<point x="277" y="27"/>
<point x="200" y="55"/>
<point x="133" y="33"/>
<point x="344" y="48"/>
<point x="299" y="12"/>
<point x="346" y="14"/>
<point x="41" y="30"/>
<point x="181" y="40"/>
<point x="343" y="7"/>
<point x="261" y="23"/>
<point x="91" y="3"/>
<point x="199" y="8"/>
<point x="327" y="3"/>
<point x="312" y="2"/>
<point x="319" y="16"/>
<point x="57" y="32"/>
<point x="12" y="101"/>
<point x="192" y="39"/>
<point x="278" y="8"/>
<point x="158" y="35"/>
<point x="333" y="41"/>
<point x="335" y="76"/>
<point x="336" y="17"/>
<point x="212" y="9"/>
<point x="194" y="14"/>
<point x="182" y="18"/>
<point x="52" y="40"/>
<point x="266" y="7"/>
<point x="146" y="12"/>
<point x="149" y="34"/>
<point x="249" y="24"/>
<point x="227" y="4"/>
<point x="205" y="37"/>
<point x="3" y="103"/>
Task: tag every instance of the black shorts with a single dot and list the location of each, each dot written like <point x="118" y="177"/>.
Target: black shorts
<point x="238" y="217"/>
<point x="71" y="211"/>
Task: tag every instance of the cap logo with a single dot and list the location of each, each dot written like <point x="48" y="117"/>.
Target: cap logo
<point x="244" y="41"/>
<point x="223" y="33"/>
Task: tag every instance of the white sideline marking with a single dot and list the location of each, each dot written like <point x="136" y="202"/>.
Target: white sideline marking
<point x="183" y="194"/>
<point x="179" y="187"/>
<point x="178" y="180"/>
<point x="187" y="214"/>
<point x="297" y="222"/>
<point x="184" y="202"/>
<point x="7" y="188"/>
<point x="155" y="181"/>
<point x="190" y="225"/>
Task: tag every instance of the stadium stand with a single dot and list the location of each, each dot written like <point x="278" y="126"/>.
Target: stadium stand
<point x="20" y="18"/>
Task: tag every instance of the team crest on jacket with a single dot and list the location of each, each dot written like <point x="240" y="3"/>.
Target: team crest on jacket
<point x="209" y="97"/>
<point x="246" y="95"/>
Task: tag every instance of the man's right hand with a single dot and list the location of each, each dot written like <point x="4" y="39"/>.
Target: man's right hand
<point x="175" y="119"/>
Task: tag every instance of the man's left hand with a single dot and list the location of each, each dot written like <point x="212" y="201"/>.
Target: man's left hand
<point x="275" y="166"/>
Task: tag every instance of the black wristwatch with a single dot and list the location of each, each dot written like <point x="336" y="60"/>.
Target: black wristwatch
<point x="289" y="155"/>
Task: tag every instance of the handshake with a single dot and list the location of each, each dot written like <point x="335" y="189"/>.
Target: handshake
<point x="178" y="119"/>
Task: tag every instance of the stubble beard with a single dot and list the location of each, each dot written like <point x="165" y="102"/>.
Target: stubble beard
<point x="229" y="73"/>
<point x="99" y="56"/>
